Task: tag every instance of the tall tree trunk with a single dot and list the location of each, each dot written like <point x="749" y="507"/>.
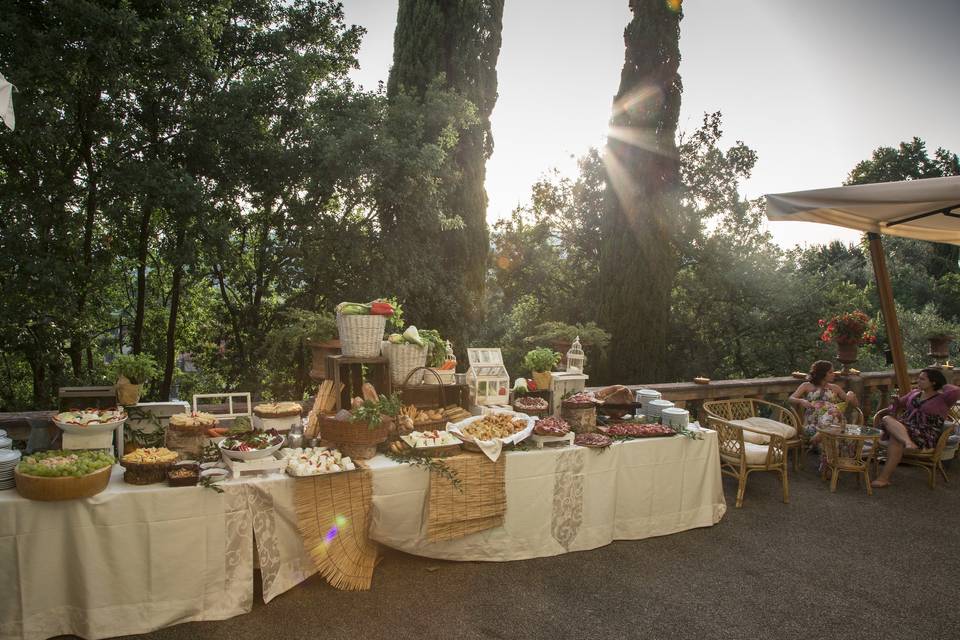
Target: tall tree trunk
<point x="169" y="350"/>
<point x="143" y="245"/>
<point x="460" y="39"/>
<point x="642" y="197"/>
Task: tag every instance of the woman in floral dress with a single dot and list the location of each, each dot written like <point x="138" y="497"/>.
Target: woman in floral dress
<point x="921" y="424"/>
<point x="819" y="397"/>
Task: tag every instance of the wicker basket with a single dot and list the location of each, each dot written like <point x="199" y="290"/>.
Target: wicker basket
<point x="344" y="432"/>
<point x="407" y="362"/>
<point x="145" y="472"/>
<point x="62" y="488"/>
<point x="361" y="336"/>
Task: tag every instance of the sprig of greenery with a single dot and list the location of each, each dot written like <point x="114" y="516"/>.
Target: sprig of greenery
<point x="435" y="465"/>
<point x="390" y="405"/>
<point x="155" y="438"/>
<point x="208" y="483"/>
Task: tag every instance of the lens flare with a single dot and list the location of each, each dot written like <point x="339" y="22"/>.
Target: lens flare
<point x="330" y="535"/>
<point x="341" y="521"/>
<point x="674" y="5"/>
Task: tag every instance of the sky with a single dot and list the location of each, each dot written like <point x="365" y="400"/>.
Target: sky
<point x="813" y="86"/>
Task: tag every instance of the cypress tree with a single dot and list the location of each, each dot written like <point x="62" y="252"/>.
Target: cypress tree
<point x="638" y="262"/>
<point x="457" y="43"/>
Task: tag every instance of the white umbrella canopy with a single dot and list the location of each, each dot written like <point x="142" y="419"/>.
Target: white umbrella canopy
<point x="6" y="103"/>
<point x="926" y="209"/>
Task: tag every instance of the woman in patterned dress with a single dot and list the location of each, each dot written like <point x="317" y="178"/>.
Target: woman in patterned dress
<point x="819" y="397"/>
<point x="924" y="410"/>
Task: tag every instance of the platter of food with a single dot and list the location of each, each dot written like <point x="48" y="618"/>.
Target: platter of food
<point x="90" y="420"/>
<point x="63" y="475"/>
<point x="277" y="415"/>
<point x="531" y="405"/>
<point x="432" y="443"/>
<point x="315" y="461"/>
<point x="552" y="426"/>
<point x="637" y="430"/>
<point x="491" y="432"/>
<point x="593" y="440"/>
<point x="147" y="465"/>
<point x="251" y="445"/>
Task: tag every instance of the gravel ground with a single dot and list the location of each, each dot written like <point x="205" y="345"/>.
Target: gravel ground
<point x="824" y="566"/>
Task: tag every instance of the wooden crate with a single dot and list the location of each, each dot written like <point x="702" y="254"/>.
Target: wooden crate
<point x="84" y="397"/>
<point x="349" y="372"/>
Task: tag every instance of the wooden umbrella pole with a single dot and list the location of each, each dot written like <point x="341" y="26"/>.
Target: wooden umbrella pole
<point x="889" y="311"/>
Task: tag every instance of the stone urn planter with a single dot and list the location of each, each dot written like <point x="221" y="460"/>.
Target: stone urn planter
<point x="319" y="350"/>
<point x="940" y="346"/>
<point x="846" y="355"/>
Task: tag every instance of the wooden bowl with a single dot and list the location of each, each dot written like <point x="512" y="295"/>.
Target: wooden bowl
<point x="62" y="487"/>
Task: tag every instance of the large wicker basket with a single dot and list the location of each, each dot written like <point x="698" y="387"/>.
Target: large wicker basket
<point x="407" y="362"/>
<point x="62" y="488"/>
<point x="344" y="432"/>
<point x="361" y="336"/>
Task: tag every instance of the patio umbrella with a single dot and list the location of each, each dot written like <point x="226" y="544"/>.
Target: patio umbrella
<point x="920" y="209"/>
<point x="6" y="102"/>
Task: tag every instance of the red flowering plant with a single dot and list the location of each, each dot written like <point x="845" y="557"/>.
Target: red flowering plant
<point x="855" y="327"/>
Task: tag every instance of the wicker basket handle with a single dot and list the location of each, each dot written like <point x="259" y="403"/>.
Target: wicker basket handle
<point x="440" y="386"/>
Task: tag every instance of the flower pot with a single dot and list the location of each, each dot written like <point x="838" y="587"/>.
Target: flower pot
<point x="847" y="355"/>
<point x="940" y="346"/>
<point x="542" y="378"/>
<point x="127" y="392"/>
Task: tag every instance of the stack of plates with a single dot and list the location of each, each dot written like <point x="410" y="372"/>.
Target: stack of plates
<point x="675" y="417"/>
<point x="654" y="408"/>
<point x="5" y="442"/>
<point x="644" y="396"/>
<point x="8" y="462"/>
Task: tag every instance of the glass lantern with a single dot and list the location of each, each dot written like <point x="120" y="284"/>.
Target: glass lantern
<point x="575" y="357"/>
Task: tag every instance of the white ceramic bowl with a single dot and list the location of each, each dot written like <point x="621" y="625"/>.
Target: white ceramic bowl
<point x="250" y="455"/>
<point x="90" y="428"/>
<point x="215" y="475"/>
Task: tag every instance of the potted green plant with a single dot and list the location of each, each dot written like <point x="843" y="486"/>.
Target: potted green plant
<point x="439" y="358"/>
<point x="540" y="362"/>
<point x="131" y="372"/>
<point x="940" y="334"/>
<point x="561" y="335"/>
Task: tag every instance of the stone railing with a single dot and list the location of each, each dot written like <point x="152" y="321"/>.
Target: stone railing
<point x="874" y="389"/>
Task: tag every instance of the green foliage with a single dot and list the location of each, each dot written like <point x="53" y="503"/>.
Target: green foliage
<point x="541" y="359"/>
<point x="138" y="369"/>
<point x="436" y="347"/>
<point x="590" y="334"/>
<point x="372" y="413"/>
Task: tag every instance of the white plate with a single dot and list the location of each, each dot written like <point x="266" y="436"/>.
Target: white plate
<point x="9" y="456"/>
<point x="215" y="475"/>
<point x="90" y="428"/>
<point x="6" y="443"/>
<point x="250" y="455"/>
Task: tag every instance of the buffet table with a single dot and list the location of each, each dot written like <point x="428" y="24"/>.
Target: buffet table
<point x="135" y="559"/>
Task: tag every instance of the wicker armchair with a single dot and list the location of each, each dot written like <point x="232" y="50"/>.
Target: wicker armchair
<point x="739" y="458"/>
<point x="929" y="459"/>
<point x="745" y="408"/>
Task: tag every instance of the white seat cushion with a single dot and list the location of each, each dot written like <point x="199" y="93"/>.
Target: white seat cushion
<point x="767" y="426"/>
<point x="754" y="453"/>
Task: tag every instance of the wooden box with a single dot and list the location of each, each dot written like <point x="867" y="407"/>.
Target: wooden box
<point x="427" y="396"/>
<point x="84" y="397"/>
<point x="353" y="372"/>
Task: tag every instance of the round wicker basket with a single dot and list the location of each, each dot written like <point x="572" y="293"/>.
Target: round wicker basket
<point x="361" y="336"/>
<point x="62" y="488"/>
<point x="407" y="362"/>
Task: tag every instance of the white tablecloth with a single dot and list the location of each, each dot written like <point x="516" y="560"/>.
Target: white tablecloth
<point x="565" y="499"/>
<point x="135" y="559"/>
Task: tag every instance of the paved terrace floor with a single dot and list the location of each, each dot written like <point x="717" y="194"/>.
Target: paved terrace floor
<point x="824" y="566"/>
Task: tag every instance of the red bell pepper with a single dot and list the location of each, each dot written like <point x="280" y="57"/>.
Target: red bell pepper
<point x="381" y="309"/>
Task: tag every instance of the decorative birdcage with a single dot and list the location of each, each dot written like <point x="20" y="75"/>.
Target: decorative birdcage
<point x="488" y="377"/>
<point x="576" y="359"/>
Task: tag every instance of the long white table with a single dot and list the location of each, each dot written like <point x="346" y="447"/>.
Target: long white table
<point x="135" y="559"/>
